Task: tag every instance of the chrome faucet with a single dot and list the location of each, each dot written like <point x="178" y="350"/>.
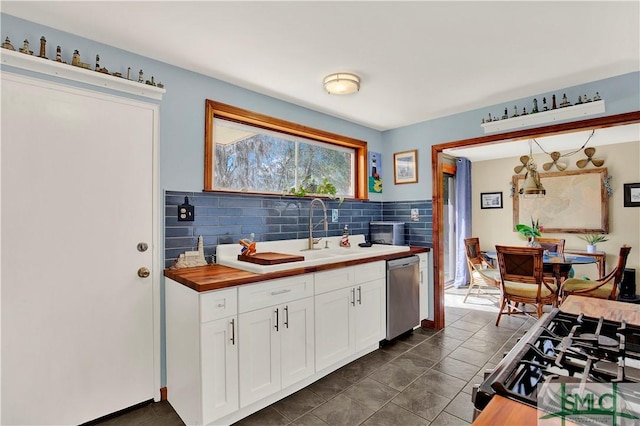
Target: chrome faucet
<point x="313" y="241"/>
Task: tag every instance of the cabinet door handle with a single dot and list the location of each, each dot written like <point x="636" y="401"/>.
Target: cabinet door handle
<point x="353" y="296"/>
<point x="275" y="293"/>
<point x="421" y="278"/>
<point x="277" y="319"/>
<point x="286" y="316"/>
<point x="360" y="295"/>
<point x="233" y="332"/>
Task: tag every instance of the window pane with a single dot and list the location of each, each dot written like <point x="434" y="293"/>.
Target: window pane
<point x="316" y="162"/>
<point x="253" y="159"/>
<point x="257" y="163"/>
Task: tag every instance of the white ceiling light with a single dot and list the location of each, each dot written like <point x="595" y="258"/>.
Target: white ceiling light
<point x="341" y="83"/>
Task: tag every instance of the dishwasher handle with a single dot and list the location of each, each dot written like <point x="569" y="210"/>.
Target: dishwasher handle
<point x="403" y="262"/>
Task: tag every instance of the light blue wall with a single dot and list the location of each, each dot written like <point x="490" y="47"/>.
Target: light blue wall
<point x="182" y="108"/>
<point x="182" y="113"/>
<point x="621" y="94"/>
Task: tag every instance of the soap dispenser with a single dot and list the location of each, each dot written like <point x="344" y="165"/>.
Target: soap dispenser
<point x="344" y="242"/>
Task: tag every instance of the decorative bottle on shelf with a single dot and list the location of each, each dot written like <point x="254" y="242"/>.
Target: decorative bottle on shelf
<point x="344" y="242"/>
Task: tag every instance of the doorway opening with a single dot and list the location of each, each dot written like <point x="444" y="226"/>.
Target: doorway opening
<point x="449" y="231"/>
<point x="439" y="163"/>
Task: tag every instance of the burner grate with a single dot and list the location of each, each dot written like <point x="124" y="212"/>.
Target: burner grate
<point x="564" y="347"/>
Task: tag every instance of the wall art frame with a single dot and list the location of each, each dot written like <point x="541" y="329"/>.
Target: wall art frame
<point x="632" y="194"/>
<point x="491" y="200"/>
<point x="576" y="202"/>
<point x="405" y="167"/>
<point x="375" y="172"/>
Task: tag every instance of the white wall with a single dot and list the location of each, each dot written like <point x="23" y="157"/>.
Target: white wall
<point x="495" y="226"/>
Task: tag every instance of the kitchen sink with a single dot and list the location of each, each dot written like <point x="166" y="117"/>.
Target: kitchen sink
<point x="227" y="254"/>
<point x="315" y="254"/>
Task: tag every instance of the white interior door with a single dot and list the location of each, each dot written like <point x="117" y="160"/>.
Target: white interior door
<point x="77" y="198"/>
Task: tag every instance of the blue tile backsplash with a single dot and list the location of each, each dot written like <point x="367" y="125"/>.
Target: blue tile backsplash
<point x="223" y="218"/>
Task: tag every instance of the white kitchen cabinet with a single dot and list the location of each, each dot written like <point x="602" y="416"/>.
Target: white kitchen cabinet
<point x="219" y="368"/>
<point x="370" y="309"/>
<point x="234" y="351"/>
<point x="202" y="352"/>
<point x="277" y="346"/>
<point x="424" y="285"/>
<point x="335" y="327"/>
<point x="259" y="355"/>
<point x="297" y="341"/>
<point x="352" y="317"/>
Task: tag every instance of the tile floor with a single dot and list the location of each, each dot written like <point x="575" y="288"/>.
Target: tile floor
<point x="423" y="379"/>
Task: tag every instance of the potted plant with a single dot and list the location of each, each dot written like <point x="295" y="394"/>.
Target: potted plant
<point x="530" y="232"/>
<point x="592" y="240"/>
<point x="309" y="186"/>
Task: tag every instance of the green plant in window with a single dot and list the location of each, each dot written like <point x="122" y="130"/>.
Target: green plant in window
<point x="309" y="186"/>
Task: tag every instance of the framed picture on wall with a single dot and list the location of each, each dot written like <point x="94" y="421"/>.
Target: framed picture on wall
<point x="375" y="172"/>
<point x="632" y="194"/>
<point x="405" y="167"/>
<point x="491" y="200"/>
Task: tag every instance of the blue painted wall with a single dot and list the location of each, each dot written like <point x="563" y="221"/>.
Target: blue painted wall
<point x="182" y="122"/>
<point x="182" y="109"/>
<point x="182" y="112"/>
<point x="621" y="94"/>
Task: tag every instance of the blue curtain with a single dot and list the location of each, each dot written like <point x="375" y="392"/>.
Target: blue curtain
<point x="463" y="219"/>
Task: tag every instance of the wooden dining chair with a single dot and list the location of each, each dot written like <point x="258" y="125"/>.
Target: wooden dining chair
<point x="522" y="280"/>
<point x="482" y="273"/>
<point x="554" y="245"/>
<point x="602" y="288"/>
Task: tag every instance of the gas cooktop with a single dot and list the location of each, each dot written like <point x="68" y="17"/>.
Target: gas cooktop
<point x="564" y="348"/>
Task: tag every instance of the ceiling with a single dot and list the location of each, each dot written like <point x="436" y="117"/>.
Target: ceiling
<point x="418" y="60"/>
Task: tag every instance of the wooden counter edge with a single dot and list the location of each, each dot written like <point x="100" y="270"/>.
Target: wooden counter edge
<point x="502" y="411"/>
<point x="216" y="277"/>
<point x="611" y="310"/>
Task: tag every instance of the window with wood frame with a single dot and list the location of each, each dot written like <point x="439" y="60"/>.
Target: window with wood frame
<point x="253" y="153"/>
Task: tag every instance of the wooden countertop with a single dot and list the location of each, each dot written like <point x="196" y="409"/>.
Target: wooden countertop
<point x="609" y="309"/>
<point x="503" y="411"/>
<point x="216" y="277"/>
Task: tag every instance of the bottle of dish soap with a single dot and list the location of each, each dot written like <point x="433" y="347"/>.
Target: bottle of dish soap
<point x="344" y="242"/>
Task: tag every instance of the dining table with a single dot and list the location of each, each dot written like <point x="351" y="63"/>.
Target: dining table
<point x="558" y="263"/>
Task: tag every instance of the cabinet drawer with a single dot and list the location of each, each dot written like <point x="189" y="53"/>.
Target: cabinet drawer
<point x="218" y="304"/>
<point x="269" y="293"/>
<point x="370" y="271"/>
<point x="334" y="279"/>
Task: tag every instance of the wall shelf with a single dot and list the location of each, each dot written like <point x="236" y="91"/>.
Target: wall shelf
<point x="566" y="113"/>
<point x="70" y="72"/>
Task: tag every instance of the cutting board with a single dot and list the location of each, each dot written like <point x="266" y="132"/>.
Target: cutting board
<point x="270" y="258"/>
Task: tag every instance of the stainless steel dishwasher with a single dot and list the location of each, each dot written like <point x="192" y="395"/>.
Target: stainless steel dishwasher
<point x="403" y="295"/>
